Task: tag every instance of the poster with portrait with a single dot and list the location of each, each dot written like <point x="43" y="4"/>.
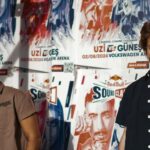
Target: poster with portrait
<point x="35" y="37"/>
<point x="95" y="102"/>
<point x="108" y="32"/>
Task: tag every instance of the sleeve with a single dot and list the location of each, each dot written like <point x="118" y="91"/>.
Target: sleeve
<point x="124" y="108"/>
<point x="23" y="105"/>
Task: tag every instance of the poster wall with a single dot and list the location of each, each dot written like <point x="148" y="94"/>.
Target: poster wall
<point x="76" y="58"/>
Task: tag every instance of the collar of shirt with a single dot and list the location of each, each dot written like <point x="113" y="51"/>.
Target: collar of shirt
<point x="1" y="87"/>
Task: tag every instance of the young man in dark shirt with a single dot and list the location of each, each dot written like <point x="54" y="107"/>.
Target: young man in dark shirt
<point x="18" y="122"/>
<point x="134" y="111"/>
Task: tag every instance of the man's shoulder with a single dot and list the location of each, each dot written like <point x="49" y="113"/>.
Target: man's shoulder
<point x="137" y="83"/>
<point x="13" y="91"/>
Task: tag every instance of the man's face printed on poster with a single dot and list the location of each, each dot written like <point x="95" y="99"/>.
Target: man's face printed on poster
<point x="97" y="122"/>
<point x="102" y="120"/>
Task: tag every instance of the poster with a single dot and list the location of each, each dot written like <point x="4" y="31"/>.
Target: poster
<point x="58" y="125"/>
<point x="35" y="37"/>
<point x="95" y="102"/>
<point x="45" y="39"/>
<point x="61" y="19"/>
<point x="109" y="31"/>
<point x="8" y="31"/>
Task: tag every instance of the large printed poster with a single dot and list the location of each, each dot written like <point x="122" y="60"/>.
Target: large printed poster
<point x="108" y="32"/>
<point x="24" y="35"/>
<point x="61" y="22"/>
<point x="35" y="36"/>
<point x="44" y="39"/>
<point x="8" y="31"/>
<point x="58" y="126"/>
<point x="95" y="102"/>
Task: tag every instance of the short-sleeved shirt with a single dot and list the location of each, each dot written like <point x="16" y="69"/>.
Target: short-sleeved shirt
<point x="134" y="114"/>
<point x="15" y="105"/>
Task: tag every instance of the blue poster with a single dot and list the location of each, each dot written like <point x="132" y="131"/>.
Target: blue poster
<point x="7" y="23"/>
<point x="129" y="15"/>
<point x="57" y="131"/>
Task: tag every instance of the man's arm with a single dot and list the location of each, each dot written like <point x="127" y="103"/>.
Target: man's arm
<point x="32" y="133"/>
<point x="122" y="141"/>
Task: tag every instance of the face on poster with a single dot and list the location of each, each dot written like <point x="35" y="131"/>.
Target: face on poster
<point x="93" y="117"/>
<point x="98" y="91"/>
<point x="94" y="128"/>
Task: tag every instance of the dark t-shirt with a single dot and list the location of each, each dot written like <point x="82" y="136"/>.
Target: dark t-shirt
<point x="124" y="108"/>
<point x="15" y="106"/>
<point x="134" y="114"/>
